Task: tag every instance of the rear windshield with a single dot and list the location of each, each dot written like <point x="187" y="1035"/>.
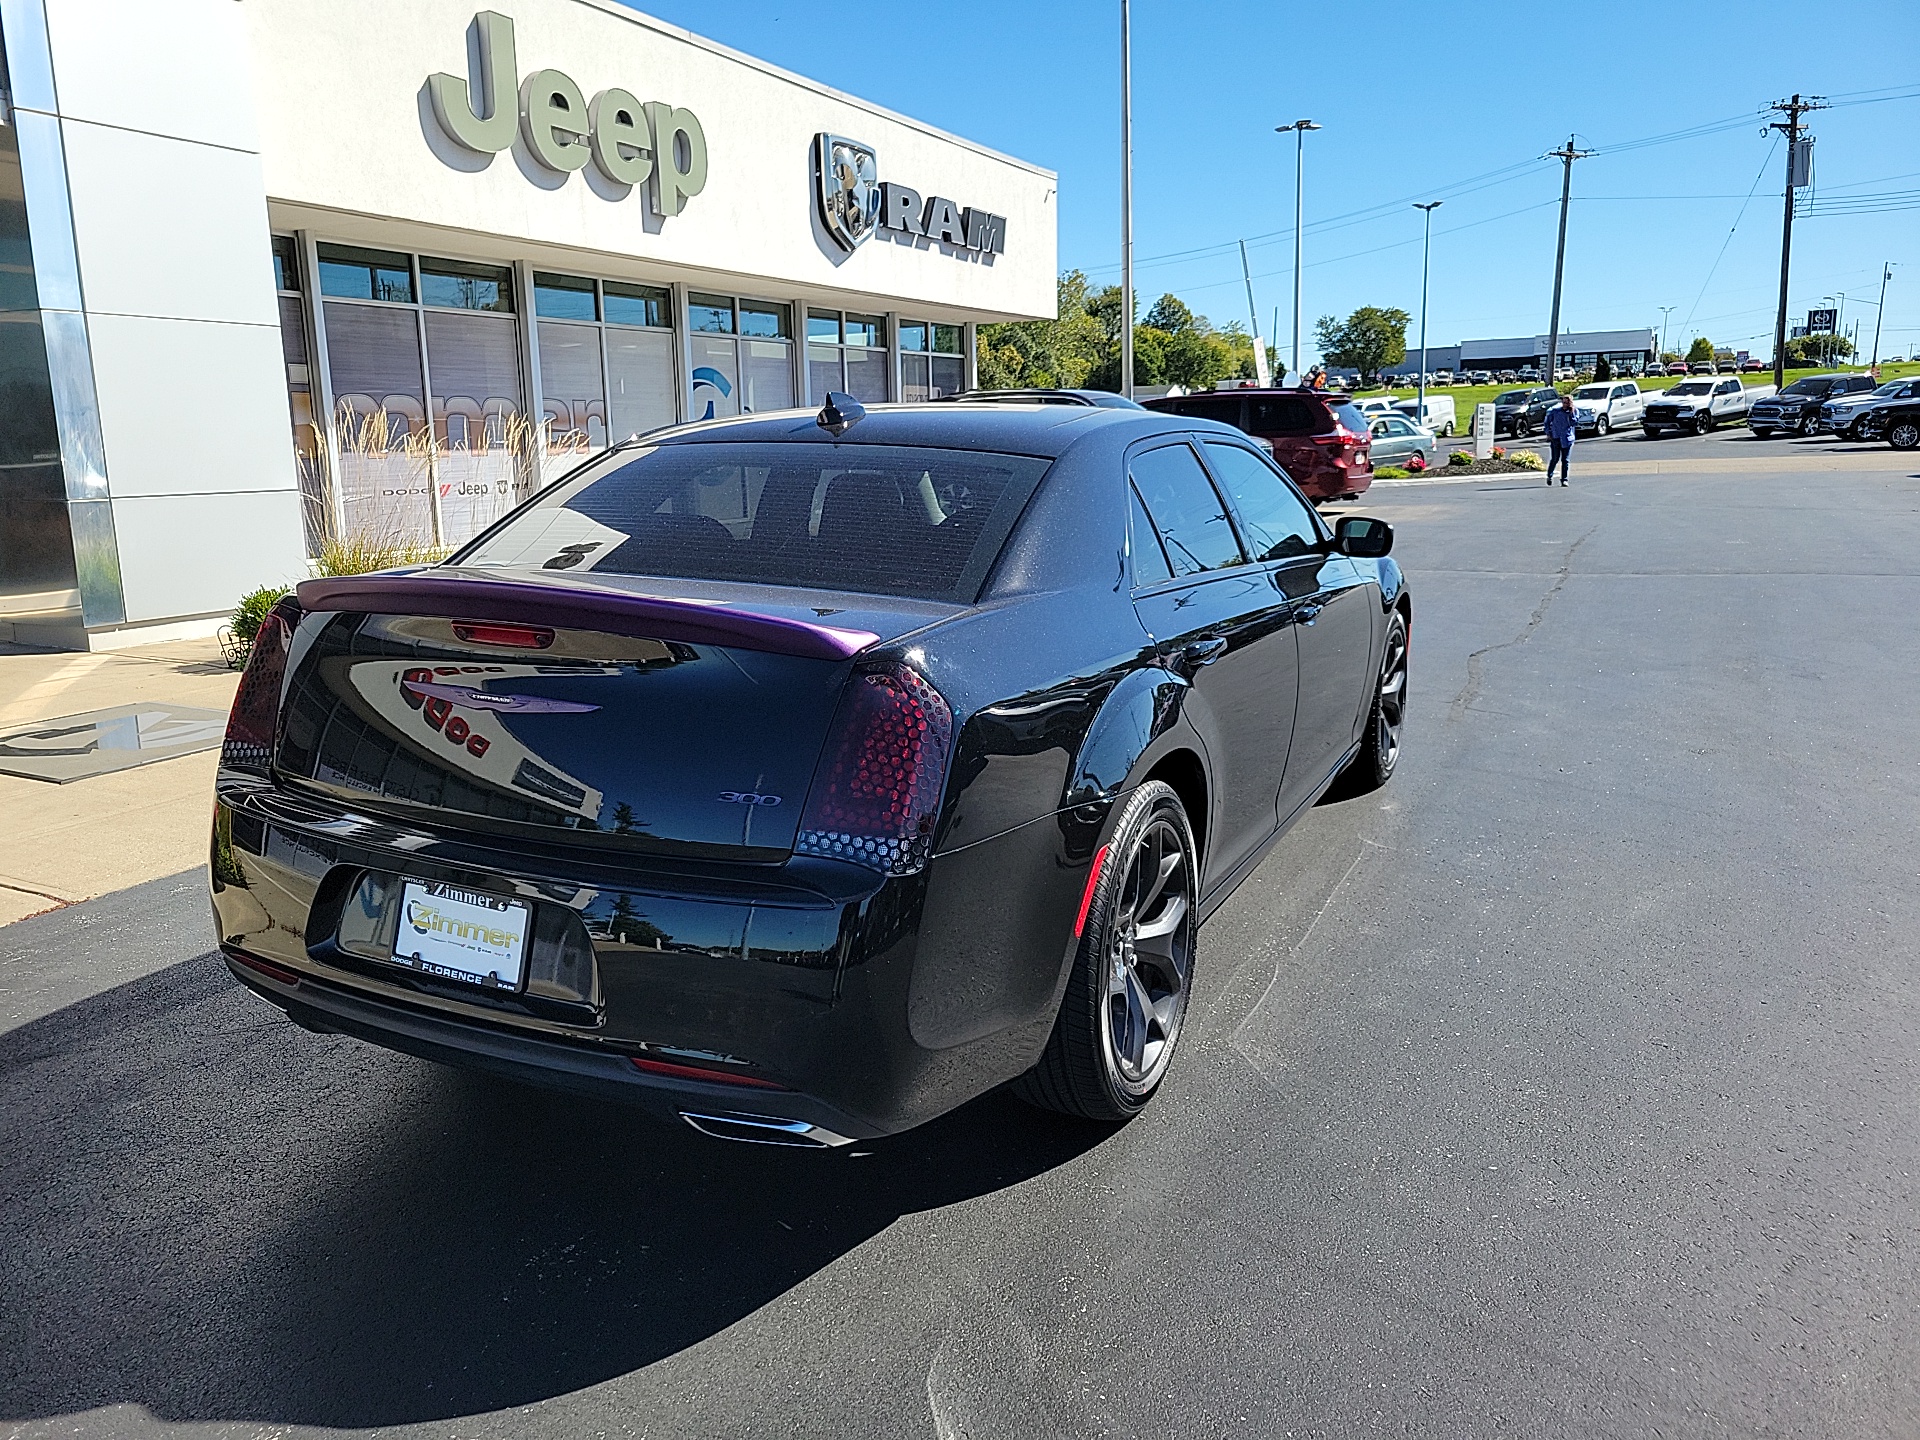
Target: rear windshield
<point x="883" y="519"/>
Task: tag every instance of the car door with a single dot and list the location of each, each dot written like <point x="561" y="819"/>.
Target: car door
<point x="1334" y="608"/>
<point x="1625" y="406"/>
<point x="1220" y="621"/>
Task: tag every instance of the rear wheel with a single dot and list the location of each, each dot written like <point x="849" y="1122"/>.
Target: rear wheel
<point x="1602" y="426"/>
<point x="1904" y="434"/>
<point x="1127" y="996"/>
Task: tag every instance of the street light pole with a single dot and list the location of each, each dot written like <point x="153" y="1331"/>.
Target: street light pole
<point x="1665" y="310"/>
<point x="1299" y="129"/>
<point x="1426" y="263"/>
<point x="1126" y="199"/>
<point x="1886" y="274"/>
<point x="1839" y="326"/>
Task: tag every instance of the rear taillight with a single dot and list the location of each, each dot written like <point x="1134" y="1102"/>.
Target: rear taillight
<point x="256" y="705"/>
<point x="876" y="795"/>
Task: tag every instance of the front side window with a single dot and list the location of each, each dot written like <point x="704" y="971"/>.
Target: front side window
<point x="1186" y="510"/>
<point x="1279" y="525"/>
<point x="883" y="519"/>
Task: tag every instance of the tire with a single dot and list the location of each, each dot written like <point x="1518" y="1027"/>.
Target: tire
<point x="1380" y="744"/>
<point x="1127" y="996"/>
<point x="1421" y="456"/>
<point x="1805" y="427"/>
<point x="1447" y="433"/>
<point x="1602" y="426"/>
<point x="1904" y="434"/>
<point x="1703" y="424"/>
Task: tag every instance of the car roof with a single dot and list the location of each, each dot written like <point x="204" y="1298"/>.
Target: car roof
<point x="1013" y="428"/>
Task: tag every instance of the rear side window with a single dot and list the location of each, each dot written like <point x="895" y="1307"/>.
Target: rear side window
<point x="1279" y="525"/>
<point x="1185" y="509"/>
<point x="1290" y="415"/>
<point x="884" y="519"/>
<point x="1149" y="560"/>
<point x="1224" y="408"/>
<point x="1348" y="414"/>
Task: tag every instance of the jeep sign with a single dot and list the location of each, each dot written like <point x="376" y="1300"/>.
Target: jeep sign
<point x="628" y="142"/>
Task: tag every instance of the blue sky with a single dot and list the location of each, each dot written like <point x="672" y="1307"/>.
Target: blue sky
<point x="1458" y="116"/>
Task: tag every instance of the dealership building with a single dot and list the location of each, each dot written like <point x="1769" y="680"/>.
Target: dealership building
<point x="276" y="274"/>
<point x="1628" y="351"/>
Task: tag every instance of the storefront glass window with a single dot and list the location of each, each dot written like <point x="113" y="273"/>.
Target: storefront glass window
<point x="563" y="297"/>
<point x="316" y="502"/>
<point x="386" y="460"/>
<point x="730" y="376"/>
<point x="710" y="313"/>
<point x="926" y="376"/>
<point x="638" y="305"/>
<point x="479" y="425"/>
<point x="456" y="285"/>
<point x="355" y="274"/>
<point x="572" y="388"/>
<point x="857" y="367"/>
<point x="640" y="380"/>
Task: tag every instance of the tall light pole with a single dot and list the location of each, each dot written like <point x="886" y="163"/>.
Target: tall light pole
<point x="1299" y="129"/>
<point x="1566" y="157"/>
<point x="1426" y="263"/>
<point x="1665" y="310"/>
<point x="1826" y="350"/>
<point x="1886" y="274"/>
<point x="1839" y="325"/>
<point x="1126" y="199"/>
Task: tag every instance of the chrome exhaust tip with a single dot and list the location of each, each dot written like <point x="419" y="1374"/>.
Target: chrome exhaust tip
<point x="765" y="1130"/>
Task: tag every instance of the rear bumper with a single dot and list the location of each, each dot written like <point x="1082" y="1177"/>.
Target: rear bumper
<point x="860" y="1005"/>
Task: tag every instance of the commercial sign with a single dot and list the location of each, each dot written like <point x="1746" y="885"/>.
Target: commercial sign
<point x="654" y="144"/>
<point x="854" y="202"/>
<point x="1820" y="322"/>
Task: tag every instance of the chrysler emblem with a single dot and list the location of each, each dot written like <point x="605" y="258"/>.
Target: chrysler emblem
<point x="847" y="184"/>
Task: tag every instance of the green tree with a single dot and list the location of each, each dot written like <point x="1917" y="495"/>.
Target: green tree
<point x="1818" y="349"/>
<point x="1170" y="313"/>
<point x="1045" y="354"/>
<point x="1602" y="369"/>
<point x="1368" y="340"/>
<point x="1700" y="349"/>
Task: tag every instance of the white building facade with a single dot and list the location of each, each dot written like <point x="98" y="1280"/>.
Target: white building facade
<point x="276" y="276"/>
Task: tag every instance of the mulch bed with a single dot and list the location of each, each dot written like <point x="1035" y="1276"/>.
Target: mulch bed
<point x="1480" y="467"/>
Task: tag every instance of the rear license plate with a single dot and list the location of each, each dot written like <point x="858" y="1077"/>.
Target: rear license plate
<point x="461" y="935"/>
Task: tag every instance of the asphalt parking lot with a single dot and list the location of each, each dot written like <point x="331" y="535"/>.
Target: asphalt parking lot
<point x="1567" y="1087"/>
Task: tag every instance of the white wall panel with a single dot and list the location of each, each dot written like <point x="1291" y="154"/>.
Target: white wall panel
<point x="170" y="67"/>
<point x="186" y="555"/>
<point x="167" y="227"/>
<point x="188" y="406"/>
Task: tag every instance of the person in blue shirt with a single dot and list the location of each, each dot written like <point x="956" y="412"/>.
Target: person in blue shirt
<point x="1559" y="428"/>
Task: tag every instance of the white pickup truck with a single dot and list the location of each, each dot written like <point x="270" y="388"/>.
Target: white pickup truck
<point x="1606" y="406"/>
<point x="1696" y="405"/>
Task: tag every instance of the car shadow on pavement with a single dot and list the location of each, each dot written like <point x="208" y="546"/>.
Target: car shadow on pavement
<point x="220" y="1217"/>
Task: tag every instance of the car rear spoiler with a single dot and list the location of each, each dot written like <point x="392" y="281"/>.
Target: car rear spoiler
<point x="457" y="595"/>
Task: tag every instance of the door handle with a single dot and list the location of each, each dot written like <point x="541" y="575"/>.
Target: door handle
<point x="1202" y="652"/>
<point x="1307" y="611"/>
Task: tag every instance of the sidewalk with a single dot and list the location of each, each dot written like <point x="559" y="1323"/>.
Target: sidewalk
<point x="62" y="843"/>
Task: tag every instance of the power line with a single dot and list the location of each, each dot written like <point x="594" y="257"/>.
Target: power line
<point x="1757" y="176"/>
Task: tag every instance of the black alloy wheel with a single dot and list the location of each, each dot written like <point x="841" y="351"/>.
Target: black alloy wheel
<point x="1380" y="744"/>
<point x="1127" y="997"/>
<point x="1904" y="434"/>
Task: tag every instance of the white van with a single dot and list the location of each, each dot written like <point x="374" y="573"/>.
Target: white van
<point x="1607" y="406"/>
<point x="1437" y="417"/>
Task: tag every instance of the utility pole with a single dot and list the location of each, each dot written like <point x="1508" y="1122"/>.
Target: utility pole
<point x="1253" y="319"/>
<point x="1426" y="262"/>
<point x="1665" y="310"/>
<point x="1839" y="327"/>
<point x="1799" y="163"/>
<point x="1886" y="274"/>
<point x="1299" y="129"/>
<point x="1126" y="199"/>
<point x="1566" y="157"/>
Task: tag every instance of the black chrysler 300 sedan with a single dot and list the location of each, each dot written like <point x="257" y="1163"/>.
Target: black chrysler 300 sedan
<point x="805" y="777"/>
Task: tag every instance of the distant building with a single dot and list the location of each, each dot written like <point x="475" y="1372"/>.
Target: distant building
<point x="1624" y="350"/>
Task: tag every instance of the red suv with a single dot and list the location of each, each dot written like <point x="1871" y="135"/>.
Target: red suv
<point x="1319" y="439"/>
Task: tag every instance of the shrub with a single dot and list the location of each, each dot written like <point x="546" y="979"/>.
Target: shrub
<point x="1528" y="460"/>
<point x="1391" y="472"/>
<point x="251" y="613"/>
<point x="360" y="553"/>
<point x="1459" y="457"/>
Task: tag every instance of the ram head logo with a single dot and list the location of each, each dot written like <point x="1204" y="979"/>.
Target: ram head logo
<point x="848" y="185"/>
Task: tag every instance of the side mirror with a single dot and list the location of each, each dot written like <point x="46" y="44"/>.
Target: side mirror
<point x="1362" y="538"/>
